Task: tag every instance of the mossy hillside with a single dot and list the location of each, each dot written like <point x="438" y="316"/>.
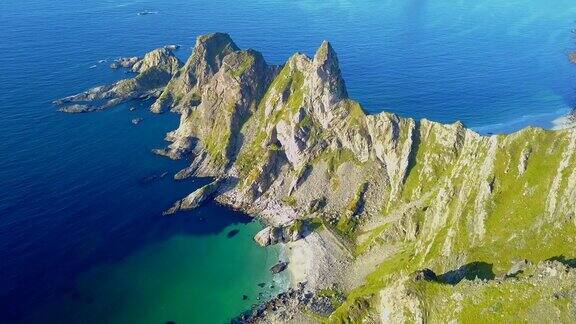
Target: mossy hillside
<point x="539" y="294"/>
<point x="363" y="300"/>
<point x="434" y="157"/>
<point x="151" y="79"/>
<point x="516" y="226"/>
<point x="348" y="221"/>
<point x="441" y="194"/>
<point x="247" y="62"/>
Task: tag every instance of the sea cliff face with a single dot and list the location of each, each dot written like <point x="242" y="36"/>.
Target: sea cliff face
<point x="390" y="195"/>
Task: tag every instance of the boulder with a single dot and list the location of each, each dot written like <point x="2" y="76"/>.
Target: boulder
<point x="289" y="232"/>
<point x="264" y="236"/>
<point x="316" y="205"/>
<point x="279" y="267"/>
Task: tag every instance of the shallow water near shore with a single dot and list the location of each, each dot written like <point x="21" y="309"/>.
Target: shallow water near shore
<point x="81" y="233"/>
<point x="185" y="279"/>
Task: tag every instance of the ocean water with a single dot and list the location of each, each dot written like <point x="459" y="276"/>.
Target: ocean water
<point x="82" y="238"/>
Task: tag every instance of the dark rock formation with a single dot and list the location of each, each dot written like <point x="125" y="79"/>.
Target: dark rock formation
<point x="279" y="267"/>
<point x="125" y="62"/>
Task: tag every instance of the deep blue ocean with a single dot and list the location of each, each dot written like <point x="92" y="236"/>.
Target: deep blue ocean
<point x="82" y="238"/>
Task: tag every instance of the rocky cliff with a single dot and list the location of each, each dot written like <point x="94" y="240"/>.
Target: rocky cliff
<point x="397" y="194"/>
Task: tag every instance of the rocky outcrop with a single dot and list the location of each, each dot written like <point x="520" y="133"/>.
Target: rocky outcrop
<point x="154" y="71"/>
<point x="292" y="306"/>
<point x="195" y="199"/>
<point x="289" y="232"/>
<point x="185" y="88"/>
<point x="279" y="267"/>
<point x="125" y="62"/>
<point x="211" y="130"/>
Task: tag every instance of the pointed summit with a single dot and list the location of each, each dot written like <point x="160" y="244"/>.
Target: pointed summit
<point x="206" y="59"/>
<point x="329" y="82"/>
<point x="325" y="53"/>
<point x="212" y="48"/>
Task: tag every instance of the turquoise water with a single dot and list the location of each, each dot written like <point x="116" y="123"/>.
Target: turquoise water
<point x="81" y="235"/>
<point x="184" y="279"/>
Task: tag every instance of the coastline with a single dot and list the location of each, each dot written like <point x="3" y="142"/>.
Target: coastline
<point x="336" y="187"/>
<point x="564" y="122"/>
<point x="306" y="257"/>
<point x="546" y="121"/>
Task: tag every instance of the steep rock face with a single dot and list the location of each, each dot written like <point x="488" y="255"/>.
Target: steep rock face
<point x="444" y="193"/>
<point x="185" y="88"/>
<point x="289" y="144"/>
<point x="212" y="129"/>
<point x="301" y="139"/>
<point x="154" y="71"/>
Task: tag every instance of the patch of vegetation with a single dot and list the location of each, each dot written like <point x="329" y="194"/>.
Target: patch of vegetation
<point x="290" y="201"/>
<point x="335" y="158"/>
<point x="248" y="61"/>
<point x="335" y="296"/>
<point x="347" y="224"/>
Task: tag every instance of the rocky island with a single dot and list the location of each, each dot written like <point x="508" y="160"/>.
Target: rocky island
<point x="383" y="218"/>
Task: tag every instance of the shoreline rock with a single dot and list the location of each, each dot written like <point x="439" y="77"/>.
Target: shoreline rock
<point x="125" y="62"/>
<point x="292" y="305"/>
<point x="172" y="47"/>
<point x="154" y="71"/>
<point x="279" y="267"/>
<point x="289" y="232"/>
<point x="195" y="199"/>
<point x="565" y="122"/>
<point x="137" y="121"/>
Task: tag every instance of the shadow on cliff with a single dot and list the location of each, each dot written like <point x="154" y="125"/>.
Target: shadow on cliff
<point x="470" y="271"/>
<point x="413" y="151"/>
<point x="571" y="263"/>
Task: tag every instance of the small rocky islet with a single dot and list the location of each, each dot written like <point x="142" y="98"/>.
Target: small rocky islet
<point x="387" y="218"/>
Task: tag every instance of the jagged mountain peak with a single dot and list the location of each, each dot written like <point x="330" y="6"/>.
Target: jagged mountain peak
<point x="327" y="82"/>
<point x="214" y="37"/>
<point x="212" y="48"/>
<point x="325" y="52"/>
<point x="206" y="59"/>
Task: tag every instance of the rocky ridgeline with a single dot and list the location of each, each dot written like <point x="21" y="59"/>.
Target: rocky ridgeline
<point x="153" y="73"/>
<point x="399" y="194"/>
<point x="126" y="63"/>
